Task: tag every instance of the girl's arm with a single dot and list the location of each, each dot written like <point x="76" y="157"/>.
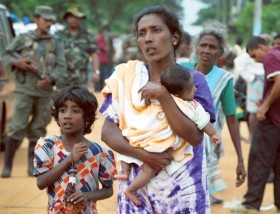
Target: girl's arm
<point x="84" y="197"/>
<point x="47" y="178"/>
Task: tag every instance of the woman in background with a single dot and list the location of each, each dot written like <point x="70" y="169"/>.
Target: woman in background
<point x="209" y="47"/>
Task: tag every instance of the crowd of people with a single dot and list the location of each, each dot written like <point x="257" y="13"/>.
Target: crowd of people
<point x="157" y="106"/>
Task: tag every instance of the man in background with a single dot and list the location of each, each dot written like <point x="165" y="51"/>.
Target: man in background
<point x="265" y="147"/>
<point x="79" y="46"/>
<point x="37" y="60"/>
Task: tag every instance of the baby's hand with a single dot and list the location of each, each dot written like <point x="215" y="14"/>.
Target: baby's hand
<point x="215" y="139"/>
<point x="79" y="150"/>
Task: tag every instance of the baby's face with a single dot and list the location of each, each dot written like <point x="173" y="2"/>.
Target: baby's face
<point x="189" y="91"/>
<point x="188" y="94"/>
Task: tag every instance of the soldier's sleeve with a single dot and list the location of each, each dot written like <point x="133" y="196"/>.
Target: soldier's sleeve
<point x="12" y="52"/>
<point x="59" y="71"/>
<point x="92" y="48"/>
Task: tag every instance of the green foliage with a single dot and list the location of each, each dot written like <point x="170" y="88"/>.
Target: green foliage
<point x="117" y="14"/>
<point x="244" y="23"/>
<point x="270" y="18"/>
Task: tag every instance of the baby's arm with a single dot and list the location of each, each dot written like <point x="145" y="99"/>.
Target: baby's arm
<point x="125" y="171"/>
<point x="210" y="131"/>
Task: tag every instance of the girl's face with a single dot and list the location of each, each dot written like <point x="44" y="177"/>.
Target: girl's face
<point x="208" y="50"/>
<point x="155" y="40"/>
<point x="70" y="118"/>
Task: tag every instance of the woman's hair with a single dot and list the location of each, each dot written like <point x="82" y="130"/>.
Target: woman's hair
<point x="82" y="97"/>
<point x="175" y="79"/>
<point x="167" y="16"/>
<point x="186" y="38"/>
<point x="216" y="29"/>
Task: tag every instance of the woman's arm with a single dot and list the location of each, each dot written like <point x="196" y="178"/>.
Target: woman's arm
<point x="179" y="123"/>
<point x="233" y="127"/>
<point x="112" y="136"/>
<point x="228" y="103"/>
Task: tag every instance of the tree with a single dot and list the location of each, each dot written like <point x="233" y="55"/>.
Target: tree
<point x="241" y="22"/>
<point x="117" y="14"/>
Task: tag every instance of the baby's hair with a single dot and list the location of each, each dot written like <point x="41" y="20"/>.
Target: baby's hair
<point x="82" y="97"/>
<point x="175" y="78"/>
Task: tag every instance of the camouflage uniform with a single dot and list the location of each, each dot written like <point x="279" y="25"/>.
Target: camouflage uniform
<point x="77" y="49"/>
<point x="47" y="54"/>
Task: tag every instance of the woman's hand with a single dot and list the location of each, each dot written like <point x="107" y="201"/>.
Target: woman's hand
<point x="157" y="161"/>
<point x="241" y="174"/>
<point x="78" y="151"/>
<point x="152" y="90"/>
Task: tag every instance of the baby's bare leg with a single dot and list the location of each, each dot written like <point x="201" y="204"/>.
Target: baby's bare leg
<point x="140" y="181"/>
<point x="124" y="174"/>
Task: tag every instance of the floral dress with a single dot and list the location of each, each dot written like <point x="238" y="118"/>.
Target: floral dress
<point x="97" y="165"/>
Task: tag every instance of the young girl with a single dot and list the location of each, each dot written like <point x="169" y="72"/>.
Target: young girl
<point x="74" y="109"/>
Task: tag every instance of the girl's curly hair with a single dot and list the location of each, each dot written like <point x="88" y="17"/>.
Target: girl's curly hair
<point x="83" y="98"/>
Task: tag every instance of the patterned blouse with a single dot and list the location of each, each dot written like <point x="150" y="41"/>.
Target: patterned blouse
<point x="97" y="165"/>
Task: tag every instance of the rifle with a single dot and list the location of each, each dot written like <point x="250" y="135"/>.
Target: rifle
<point x="37" y="72"/>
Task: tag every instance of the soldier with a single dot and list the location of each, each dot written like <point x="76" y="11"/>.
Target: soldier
<point x="37" y="60"/>
<point x="79" y="45"/>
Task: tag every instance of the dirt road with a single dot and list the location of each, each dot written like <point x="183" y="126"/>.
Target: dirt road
<point x="19" y="194"/>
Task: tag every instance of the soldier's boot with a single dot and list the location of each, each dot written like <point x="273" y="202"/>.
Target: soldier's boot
<point x="10" y="150"/>
<point x="30" y="158"/>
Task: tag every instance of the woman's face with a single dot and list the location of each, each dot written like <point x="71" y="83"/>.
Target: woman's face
<point x="155" y="40"/>
<point x="208" y="50"/>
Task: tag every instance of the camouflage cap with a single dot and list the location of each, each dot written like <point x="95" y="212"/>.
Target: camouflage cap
<point x="45" y="12"/>
<point x="73" y="10"/>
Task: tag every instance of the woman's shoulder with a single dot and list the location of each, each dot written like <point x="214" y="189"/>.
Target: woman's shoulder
<point x="219" y="69"/>
<point x="132" y="67"/>
<point x="189" y="66"/>
<point x="130" y="63"/>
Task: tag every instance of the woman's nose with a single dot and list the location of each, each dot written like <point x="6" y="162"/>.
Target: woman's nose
<point x="148" y="37"/>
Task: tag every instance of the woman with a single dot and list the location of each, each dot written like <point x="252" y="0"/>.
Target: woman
<point x="158" y="35"/>
<point x="209" y="47"/>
